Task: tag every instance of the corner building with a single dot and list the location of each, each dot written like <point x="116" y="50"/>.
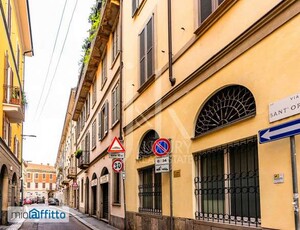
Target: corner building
<point x="231" y="60"/>
<point x="15" y="44"/>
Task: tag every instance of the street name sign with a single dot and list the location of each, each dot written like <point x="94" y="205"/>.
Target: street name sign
<point x="280" y="131"/>
<point x="117" y="155"/>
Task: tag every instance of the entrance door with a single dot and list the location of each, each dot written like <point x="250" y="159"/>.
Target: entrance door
<point x="87" y="198"/>
<point x="105" y="200"/>
<point x="94" y="191"/>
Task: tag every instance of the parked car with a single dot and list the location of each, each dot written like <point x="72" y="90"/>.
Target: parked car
<point x="53" y="201"/>
<point x="27" y="201"/>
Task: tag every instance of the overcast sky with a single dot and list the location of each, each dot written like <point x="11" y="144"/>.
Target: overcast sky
<point x="47" y="124"/>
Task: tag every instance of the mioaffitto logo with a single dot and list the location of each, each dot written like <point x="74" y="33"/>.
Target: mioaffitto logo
<point x="40" y="214"/>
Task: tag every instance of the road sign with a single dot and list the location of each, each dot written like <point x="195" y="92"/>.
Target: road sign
<point x="280" y="131"/>
<point x="116" y="146"/>
<point x="161" y="147"/>
<point x="117" y="155"/>
<point x="117" y="165"/>
<point x="162" y="160"/>
<point x="162" y="168"/>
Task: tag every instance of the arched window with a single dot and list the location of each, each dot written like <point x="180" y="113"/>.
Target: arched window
<point x="147" y="142"/>
<point x="230" y="104"/>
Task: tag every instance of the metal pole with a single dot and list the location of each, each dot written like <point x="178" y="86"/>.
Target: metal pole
<point x="123" y="179"/>
<point x="171" y="195"/>
<point x="295" y="182"/>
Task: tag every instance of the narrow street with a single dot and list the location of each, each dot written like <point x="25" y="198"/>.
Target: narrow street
<point x="73" y="224"/>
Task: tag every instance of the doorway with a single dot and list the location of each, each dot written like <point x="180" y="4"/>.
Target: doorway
<point x="87" y="192"/>
<point x="3" y="195"/>
<point x="94" y="194"/>
<point x="105" y="194"/>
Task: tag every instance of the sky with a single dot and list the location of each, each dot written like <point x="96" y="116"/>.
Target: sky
<point x="46" y="109"/>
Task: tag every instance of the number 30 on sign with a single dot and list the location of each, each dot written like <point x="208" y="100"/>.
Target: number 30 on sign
<point x="117" y="165"/>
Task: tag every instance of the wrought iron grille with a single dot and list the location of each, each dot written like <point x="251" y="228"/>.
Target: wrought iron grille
<point x="229" y="105"/>
<point x="227" y="184"/>
<point x="150" y="191"/>
<point x="147" y="142"/>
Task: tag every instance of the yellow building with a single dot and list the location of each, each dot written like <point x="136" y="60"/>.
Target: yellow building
<point x="15" y="44"/>
<point x="208" y="74"/>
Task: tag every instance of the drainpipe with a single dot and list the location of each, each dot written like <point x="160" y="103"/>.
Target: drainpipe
<point x="171" y="78"/>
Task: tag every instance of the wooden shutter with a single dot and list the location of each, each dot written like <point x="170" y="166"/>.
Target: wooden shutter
<point x="150" y="48"/>
<point x="142" y="57"/>
<point x="106" y="118"/>
<point x="134" y="6"/>
<point x="99" y="125"/>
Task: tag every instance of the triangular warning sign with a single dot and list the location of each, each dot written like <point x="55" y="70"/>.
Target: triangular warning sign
<point x="116" y="146"/>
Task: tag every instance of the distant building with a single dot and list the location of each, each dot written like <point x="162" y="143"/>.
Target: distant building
<point x="40" y="181"/>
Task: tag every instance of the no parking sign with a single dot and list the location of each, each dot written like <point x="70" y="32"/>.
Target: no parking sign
<point x="161" y="147"/>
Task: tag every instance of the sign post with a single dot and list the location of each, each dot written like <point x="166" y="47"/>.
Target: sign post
<point x="288" y="129"/>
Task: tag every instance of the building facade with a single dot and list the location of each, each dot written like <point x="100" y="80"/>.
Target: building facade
<point x="40" y="182"/>
<point x="97" y="115"/>
<point x="205" y="74"/>
<point x="66" y="162"/>
<point x="15" y="44"/>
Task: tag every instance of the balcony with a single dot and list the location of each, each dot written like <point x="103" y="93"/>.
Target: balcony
<point x="84" y="160"/>
<point x="71" y="174"/>
<point x="12" y="104"/>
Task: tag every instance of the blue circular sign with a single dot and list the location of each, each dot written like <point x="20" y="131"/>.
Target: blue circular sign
<point x="161" y="147"/>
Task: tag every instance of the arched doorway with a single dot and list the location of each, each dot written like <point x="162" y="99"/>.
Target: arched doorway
<point x="87" y="192"/>
<point x="3" y="194"/>
<point x="104" y="192"/>
<point x="13" y="200"/>
<point x="94" y="194"/>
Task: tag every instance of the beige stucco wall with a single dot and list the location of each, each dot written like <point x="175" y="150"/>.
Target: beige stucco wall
<point x="270" y="71"/>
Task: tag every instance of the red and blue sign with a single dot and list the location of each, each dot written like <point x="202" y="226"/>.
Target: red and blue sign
<point x="161" y="147"/>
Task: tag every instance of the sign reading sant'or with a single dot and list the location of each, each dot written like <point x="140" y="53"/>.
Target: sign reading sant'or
<point x="285" y="107"/>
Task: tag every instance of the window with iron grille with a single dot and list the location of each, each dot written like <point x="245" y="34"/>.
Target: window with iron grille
<point x="229" y="105"/>
<point x="103" y="121"/>
<point x="104" y="70"/>
<point x="227" y="184"/>
<point x="150" y="191"/>
<point x="94" y="130"/>
<point x="146" y="144"/>
<point x="207" y="7"/>
<point x="115" y="104"/>
<point x="146" y="52"/>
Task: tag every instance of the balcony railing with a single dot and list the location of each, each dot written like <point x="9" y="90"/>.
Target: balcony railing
<point x="71" y="174"/>
<point x="84" y="160"/>
<point x="12" y="104"/>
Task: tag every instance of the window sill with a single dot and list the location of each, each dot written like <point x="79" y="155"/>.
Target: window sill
<point x="116" y="204"/>
<point x="214" y="16"/>
<point x="114" y="124"/>
<point x="146" y="84"/>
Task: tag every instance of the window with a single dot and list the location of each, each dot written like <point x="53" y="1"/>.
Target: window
<point x="36" y="176"/>
<point x="227" y="184"/>
<point x="50" y="186"/>
<point x="44" y="185"/>
<point x="87" y="106"/>
<point x="115" y="104"/>
<point x="28" y="175"/>
<point x="9" y="17"/>
<point x="16" y="147"/>
<point x="206" y="7"/>
<point x="94" y="130"/>
<point x="44" y="175"/>
<point x="18" y="56"/>
<point x="146" y="144"/>
<point x="28" y="184"/>
<point x="229" y="105"/>
<point x="7" y="131"/>
<point x="117" y="187"/>
<point x="104" y="70"/>
<point x="115" y="48"/>
<point x="135" y="6"/>
<point x="36" y="185"/>
<point x="146" y="52"/>
<point x="94" y="95"/>
<point x="103" y="121"/>
<point x="50" y="176"/>
<point x="150" y="191"/>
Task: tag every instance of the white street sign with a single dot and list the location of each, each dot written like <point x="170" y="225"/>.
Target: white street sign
<point x="116" y="155"/>
<point x="162" y="168"/>
<point x="284" y="108"/>
<point x="162" y="160"/>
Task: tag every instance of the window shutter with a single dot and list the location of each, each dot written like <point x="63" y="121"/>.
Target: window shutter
<point x="205" y="9"/>
<point x="106" y="118"/>
<point x="150" y="48"/>
<point x="99" y="127"/>
<point x="118" y="103"/>
<point x="142" y="57"/>
<point x="134" y="6"/>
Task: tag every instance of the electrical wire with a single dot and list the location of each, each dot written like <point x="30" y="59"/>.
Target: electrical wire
<point x="62" y="49"/>
<point x="51" y="58"/>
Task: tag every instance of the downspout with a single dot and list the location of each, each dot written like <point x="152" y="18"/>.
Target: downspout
<point x="121" y="103"/>
<point x="171" y="78"/>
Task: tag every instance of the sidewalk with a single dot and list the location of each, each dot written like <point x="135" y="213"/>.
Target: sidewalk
<point x="90" y="221"/>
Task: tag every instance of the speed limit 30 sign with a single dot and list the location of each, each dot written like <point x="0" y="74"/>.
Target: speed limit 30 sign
<point x="117" y="165"/>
